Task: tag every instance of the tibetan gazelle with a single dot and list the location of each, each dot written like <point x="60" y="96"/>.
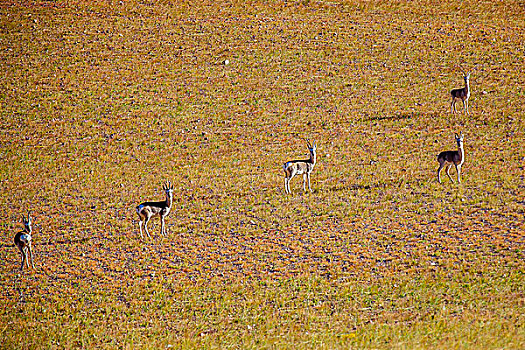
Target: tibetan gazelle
<point x="147" y="210"/>
<point x="23" y="242"/>
<point x="447" y="158"/>
<point x="298" y="167"/>
<point x="461" y="94"/>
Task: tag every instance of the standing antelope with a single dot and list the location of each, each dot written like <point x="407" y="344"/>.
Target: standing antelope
<point x="461" y="94"/>
<point x="298" y="167"/>
<point x="148" y="209"/>
<point x="452" y="157"/>
<point x="23" y="242"/>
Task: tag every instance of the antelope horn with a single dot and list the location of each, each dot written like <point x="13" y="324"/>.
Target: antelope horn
<point x="462" y="69"/>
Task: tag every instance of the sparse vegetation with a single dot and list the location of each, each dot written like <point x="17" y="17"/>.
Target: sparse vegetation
<point x="102" y="102"/>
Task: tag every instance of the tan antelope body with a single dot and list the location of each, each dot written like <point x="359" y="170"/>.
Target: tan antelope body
<point x="462" y="94"/>
<point x="23" y="242"/>
<point x="147" y="210"/>
<point x="300" y="167"/>
<point x="449" y="158"/>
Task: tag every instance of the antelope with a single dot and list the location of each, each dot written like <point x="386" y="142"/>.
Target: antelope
<point x="452" y="157"/>
<point x="147" y="210"/>
<point x="298" y="167"/>
<point x="461" y="94"/>
<point x="23" y="242"/>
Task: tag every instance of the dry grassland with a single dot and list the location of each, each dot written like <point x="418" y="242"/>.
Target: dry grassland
<point x="101" y="102"/>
